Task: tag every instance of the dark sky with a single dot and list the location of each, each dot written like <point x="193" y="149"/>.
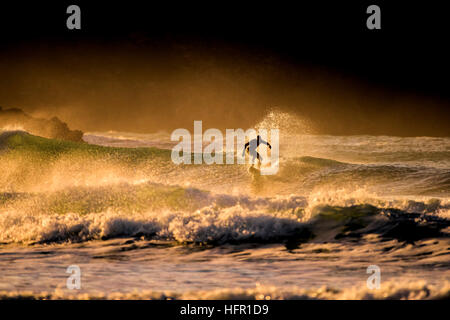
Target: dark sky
<point x="138" y="66"/>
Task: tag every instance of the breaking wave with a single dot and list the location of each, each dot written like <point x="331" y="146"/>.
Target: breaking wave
<point x="190" y="215"/>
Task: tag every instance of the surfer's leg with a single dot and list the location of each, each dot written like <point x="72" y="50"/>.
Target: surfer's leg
<point x="259" y="158"/>
<point x="254" y="155"/>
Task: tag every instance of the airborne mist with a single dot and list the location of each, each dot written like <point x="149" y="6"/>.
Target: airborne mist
<point x="142" y="86"/>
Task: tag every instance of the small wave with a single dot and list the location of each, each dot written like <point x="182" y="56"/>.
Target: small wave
<point x="310" y="172"/>
<point x="398" y="290"/>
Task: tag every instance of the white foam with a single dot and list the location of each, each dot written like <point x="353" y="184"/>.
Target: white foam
<point x="398" y="290"/>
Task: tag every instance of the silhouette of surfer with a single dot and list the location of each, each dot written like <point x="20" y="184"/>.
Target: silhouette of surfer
<point x="252" y="145"/>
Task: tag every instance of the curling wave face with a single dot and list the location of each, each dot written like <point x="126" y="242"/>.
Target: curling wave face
<point x="188" y="215"/>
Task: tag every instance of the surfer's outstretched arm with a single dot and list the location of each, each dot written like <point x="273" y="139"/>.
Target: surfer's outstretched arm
<point x="266" y="143"/>
<point x="245" y="148"/>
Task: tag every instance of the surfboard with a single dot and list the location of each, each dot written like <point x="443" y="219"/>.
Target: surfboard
<point x="254" y="170"/>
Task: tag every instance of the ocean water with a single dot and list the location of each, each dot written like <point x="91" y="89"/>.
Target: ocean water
<point x="140" y="227"/>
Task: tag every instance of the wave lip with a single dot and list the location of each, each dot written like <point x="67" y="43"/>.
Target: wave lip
<point x="208" y="225"/>
<point x="235" y="220"/>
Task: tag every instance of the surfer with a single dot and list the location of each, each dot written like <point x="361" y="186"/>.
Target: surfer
<point x="252" y="145"/>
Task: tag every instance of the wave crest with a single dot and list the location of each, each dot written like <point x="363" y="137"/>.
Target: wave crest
<point x="227" y="219"/>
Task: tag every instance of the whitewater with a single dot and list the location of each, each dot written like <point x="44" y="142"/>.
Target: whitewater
<point x="141" y="227"/>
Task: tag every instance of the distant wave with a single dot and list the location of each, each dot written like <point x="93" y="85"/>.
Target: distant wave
<point x="54" y="128"/>
<point x="399" y="178"/>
